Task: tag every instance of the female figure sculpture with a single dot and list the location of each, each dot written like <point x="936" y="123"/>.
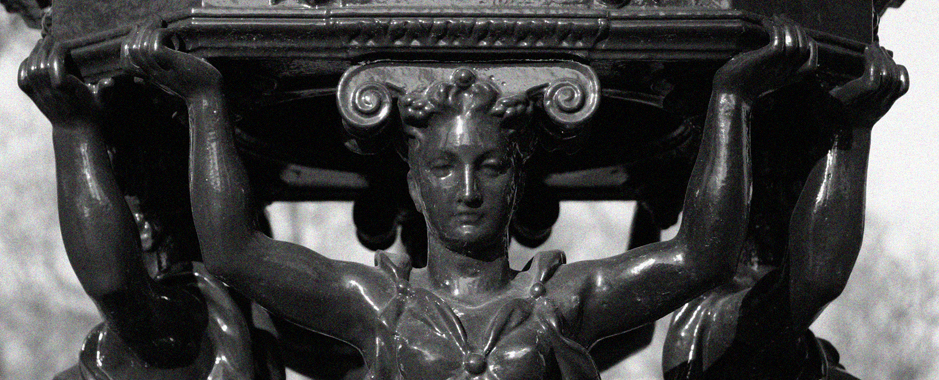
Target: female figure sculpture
<point x="757" y="327"/>
<point x="176" y="328"/>
<point x="468" y="314"/>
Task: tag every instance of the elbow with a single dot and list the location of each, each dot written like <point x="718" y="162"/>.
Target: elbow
<point x="102" y="287"/>
<point x="719" y="271"/>
<point x="821" y="268"/>
<point x="823" y="288"/>
<point x="714" y="261"/>
<point x="829" y="294"/>
<point x="222" y="261"/>
<point x="225" y="253"/>
<point x="104" y="278"/>
<point x="832" y="283"/>
<point x="218" y="266"/>
<point x="725" y="272"/>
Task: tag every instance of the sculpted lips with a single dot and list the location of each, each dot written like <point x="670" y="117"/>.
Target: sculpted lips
<point x="468" y="217"/>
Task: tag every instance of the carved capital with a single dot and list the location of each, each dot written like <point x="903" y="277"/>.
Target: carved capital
<point x="568" y="94"/>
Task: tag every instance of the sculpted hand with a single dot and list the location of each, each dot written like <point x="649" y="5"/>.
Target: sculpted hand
<point x="789" y="55"/>
<point x="868" y="98"/>
<point x="145" y="53"/>
<point x="61" y="96"/>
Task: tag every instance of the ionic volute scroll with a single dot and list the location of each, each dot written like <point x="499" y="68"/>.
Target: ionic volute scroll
<point x="568" y="104"/>
<point x="366" y="110"/>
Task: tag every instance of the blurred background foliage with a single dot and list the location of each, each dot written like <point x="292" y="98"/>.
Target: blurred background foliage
<point x="886" y="324"/>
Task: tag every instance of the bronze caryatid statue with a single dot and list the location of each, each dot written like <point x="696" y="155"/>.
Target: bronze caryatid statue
<point x="184" y="325"/>
<point x="756" y="326"/>
<point x="467" y="313"/>
<point x="194" y="121"/>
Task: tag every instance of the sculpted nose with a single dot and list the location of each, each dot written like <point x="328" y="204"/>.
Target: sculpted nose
<point x="469" y="193"/>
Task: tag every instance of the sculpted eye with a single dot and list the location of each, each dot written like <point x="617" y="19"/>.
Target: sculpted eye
<point x="493" y="167"/>
<point x="441" y="168"/>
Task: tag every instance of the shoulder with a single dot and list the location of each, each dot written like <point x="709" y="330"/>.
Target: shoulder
<point x="561" y="283"/>
<point x="545" y="264"/>
<point x="563" y="279"/>
<point x="398" y="265"/>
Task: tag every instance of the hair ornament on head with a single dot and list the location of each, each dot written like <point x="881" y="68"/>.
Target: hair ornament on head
<point x="462" y="93"/>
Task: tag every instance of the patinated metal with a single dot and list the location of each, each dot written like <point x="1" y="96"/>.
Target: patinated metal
<point x="756" y="326"/>
<point x="499" y="111"/>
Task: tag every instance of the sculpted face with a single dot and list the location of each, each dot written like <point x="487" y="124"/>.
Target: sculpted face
<point x="463" y="178"/>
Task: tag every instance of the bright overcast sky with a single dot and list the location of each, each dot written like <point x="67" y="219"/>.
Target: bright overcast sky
<point x="904" y="166"/>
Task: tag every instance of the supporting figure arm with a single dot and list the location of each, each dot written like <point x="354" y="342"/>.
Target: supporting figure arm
<point x="644" y="284"/>
<point x="761" y="327"/>
<point x="827" y="225"/>
<point x="162" y="325"/>
<point x="334" y="297"/>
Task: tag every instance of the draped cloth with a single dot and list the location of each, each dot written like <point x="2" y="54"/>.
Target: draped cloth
<point x="225" y="348"/>
<point x="740" y="330"/>
<point x="422" y="337"/>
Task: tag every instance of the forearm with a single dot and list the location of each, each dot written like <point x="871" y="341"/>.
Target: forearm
<point x="223" y="209"/>
<point x="163" y="325"/>
<point x="717" y="198"/>
<point x="98" y="230"/>
<point x="827" y="226"/>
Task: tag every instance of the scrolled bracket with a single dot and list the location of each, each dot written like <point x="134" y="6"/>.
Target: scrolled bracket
<point x="569" y="103"/>
<point x="366" y="109"/>
<point x="569" y="106"/>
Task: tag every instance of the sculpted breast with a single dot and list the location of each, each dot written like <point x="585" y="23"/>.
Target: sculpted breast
<point x="428" y="349"/>
<point x="512" y="336"/>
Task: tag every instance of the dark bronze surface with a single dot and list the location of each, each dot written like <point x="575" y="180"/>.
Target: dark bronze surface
<point x="848" y="20"/>
<point x="756" y="327"/>
<point x="655" y="65"/>
<point x="654" y="61"/>
<point x="500" y="111"/>
<point x="176" y="323"/>
<point x="466" y="143"/>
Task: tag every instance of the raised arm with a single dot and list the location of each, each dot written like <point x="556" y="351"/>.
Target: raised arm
<point x="827" y="224"/>
<point x="162" y="325"/>
<point x="334" y="297"/>
<point x="641" y="285"/>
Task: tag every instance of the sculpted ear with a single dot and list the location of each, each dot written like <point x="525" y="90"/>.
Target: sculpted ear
<point x="415" y="191"/>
